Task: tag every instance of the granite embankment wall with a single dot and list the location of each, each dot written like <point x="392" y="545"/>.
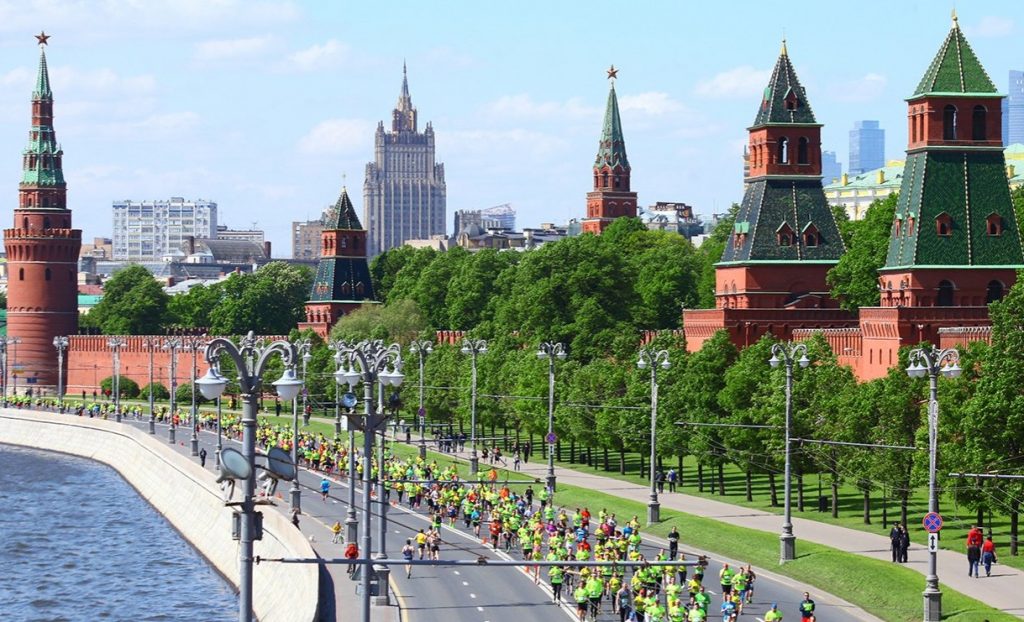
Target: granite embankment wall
<point x="190" y="499"/>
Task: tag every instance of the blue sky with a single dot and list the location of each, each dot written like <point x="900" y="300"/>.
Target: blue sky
<point x="264" y="106"/>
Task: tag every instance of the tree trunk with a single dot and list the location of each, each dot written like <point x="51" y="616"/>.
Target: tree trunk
<point x="558" y="451"/>
<point x="590" y="456"/>
<point x="773" y="490"/>
<point x="1014" y="516"/>
<point x="885" y="508"/>
<point x="572" y="451"/>
<point x="904" y="499"/>
<point x="700" y="477"/>
<point x="642" y="459"/>
<point x="605" y="453"/>
<point x="750" y="486"/>
<point x="799" y="492"/>
<point x="680" y="469"/>
<point x="981" y="517"/>
<point x="622" y="462"/>
<point x="721" y="479"/>
<point x="867" y="505"/>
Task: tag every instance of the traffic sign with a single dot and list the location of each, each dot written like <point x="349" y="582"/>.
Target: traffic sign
<point x="932" y="522"/>
<point x="551" y="438"/>
<point x="933" y="542"/>
<point x="422" y="412"/>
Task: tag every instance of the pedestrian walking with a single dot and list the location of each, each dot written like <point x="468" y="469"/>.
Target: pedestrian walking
<point x="673" y="542"/>
<point x="672" y="477"/>
<point x="659" y="479"/>
<point x="894" y="542"/>
<point x="988" y="555"/>
<point x="516" y="459"/>
<point x="202" y="457"/>
<point x="974" y="543"/>
<point x="904" y="544"/>
<point x="336" y="530"/>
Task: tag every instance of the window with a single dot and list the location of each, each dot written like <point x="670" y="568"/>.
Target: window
<point x="21" y="274"/>
<point x="896" y="227"/>
<point x="945" y="295"/>
<point x="994" y="224"/>
<point x="784" y="235"/>
<point x="993" y="292"/>
<point x="943" y="225"/>
<point x="949" y="123"/>
<point x="978" y="121"/>
<point x="801" y="151"/>
<point x="783" y="151"/>
<point x="811" y="237"/>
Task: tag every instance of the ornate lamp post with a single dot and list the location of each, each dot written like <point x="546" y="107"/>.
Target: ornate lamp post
<point x="780" y="354"/>
<point x="3" y="365"/>
<point x="422" y="348"/>
<point x="931" y="362"/>
<point x="551" y="351"/>
<point x="302" y="347"/>
<point x="653" y="359"/>
<point x="194" y="345"/>
<point x="151" y="344"/>
<point x="473" y="347"/>
<point x="346" y="374"/>
<point x="250" y="359"/>
<point x="14" y="341"/>
<point x="61" y="343"/>
<point x="115" y="344"/>
<point x="172" y="345"/>
<point x="368" y="363"/>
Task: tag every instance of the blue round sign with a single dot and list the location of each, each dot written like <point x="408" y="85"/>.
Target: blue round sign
<point x="932" y="522"/>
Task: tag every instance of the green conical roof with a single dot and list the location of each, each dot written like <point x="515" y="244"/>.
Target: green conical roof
<point x="612" y="150"/>
<point x="955" y="69"/>
<point x="342" y="215"/>
<point x="42" y="90"/>
<point x="784" y="99"/>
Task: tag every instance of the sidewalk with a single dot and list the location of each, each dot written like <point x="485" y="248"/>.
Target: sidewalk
<point x="1001" y="590"/>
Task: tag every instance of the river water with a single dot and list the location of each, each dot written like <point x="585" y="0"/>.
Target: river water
<point x="78" y="543"/>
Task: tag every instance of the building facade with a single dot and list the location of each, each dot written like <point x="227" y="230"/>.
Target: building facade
<point x="1013" y="110"/>
<point x="611" y="197"/>
<point x="867" y="147"/>
<point x="404" y="194"/>
<point x="497" y="217"/>
<point x="149" y="230"/>
<point x="42" y="249"/>
<point x="306" y="238"/>
<point x="831" y="168"/>
<point x="256" y="236"/>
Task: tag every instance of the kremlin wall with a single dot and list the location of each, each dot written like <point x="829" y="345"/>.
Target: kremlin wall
<point x="954" y="246"/>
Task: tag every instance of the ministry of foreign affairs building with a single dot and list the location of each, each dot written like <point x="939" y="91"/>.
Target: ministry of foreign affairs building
<point x="404" y="193"/>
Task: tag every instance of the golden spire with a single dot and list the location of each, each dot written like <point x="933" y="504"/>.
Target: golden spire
<point x="784" y="52"/>
<point x="955" y="24"/>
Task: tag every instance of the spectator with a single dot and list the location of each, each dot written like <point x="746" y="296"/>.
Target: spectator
<point x="988" y="555"/>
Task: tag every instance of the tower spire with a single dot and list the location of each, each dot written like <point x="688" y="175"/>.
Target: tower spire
<point x="611" y="197"/>
<point x="403" y="117"/>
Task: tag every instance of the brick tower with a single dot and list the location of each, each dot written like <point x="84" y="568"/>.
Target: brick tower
<point x="342" y="280"/>
<point x="610" y="198"/>
<point x="955" y="240"/>
<point x="42" y="248"/>
<point x="785" y="238"/>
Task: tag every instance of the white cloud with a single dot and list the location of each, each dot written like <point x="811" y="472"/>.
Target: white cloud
<point x="523" y="106"/>
<point x="743" y="81"/>
<point x="868" y="87"/>
<point x="160" y="126"/>
<point x="337" y="136"/>
<point x="492" y="143"/>
<point x="991" y="27"/>
<point x="653" y="103"/>
<point x="221" y="50"/>
<point x="317" y="57"/>
<point x="72" y="82"/>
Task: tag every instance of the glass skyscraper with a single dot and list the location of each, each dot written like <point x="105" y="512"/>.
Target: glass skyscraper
<point x="1013" y="110"/>
<point x="867" y="147"/>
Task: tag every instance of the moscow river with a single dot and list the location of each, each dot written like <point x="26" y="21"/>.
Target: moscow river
<point x="78" y="543"/>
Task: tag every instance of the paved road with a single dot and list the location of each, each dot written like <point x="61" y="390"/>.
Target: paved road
<point x="473" y="593"/>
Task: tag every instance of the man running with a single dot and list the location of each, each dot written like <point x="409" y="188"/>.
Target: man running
<point x="325" y="488"/>
<point x="807" y="609"/>
<point x="773" y="614"/>
<point x="421" y="542"/>
<point x="407" y="556"/>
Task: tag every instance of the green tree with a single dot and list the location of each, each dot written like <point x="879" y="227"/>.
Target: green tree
<point x="400" y="321"/>
<point x="133" y="303"/>
<point x="160" y="392"/>
<point x="126" y="386"/>
<point x="1017" y="195"/>
<point x="193" y="308"/>
<point x="854" y="280"/>
<point x="384" y="269"/>
<point x="268" y="301"/>
<point x="710" y="252"/>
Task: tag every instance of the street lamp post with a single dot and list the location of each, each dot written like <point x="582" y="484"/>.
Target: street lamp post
<point x="780" y="354"/>
<point x="3" y="365"/>
<point x="551" y="351"/>
<point x="931" y="362"/>
<point x="473" y="347"/>
<point x="61" y="343"/>
<point x="151" y="344"/>
<point x="368" y="363"/>
<point x="115" y="344"/>
<point x="14" y="341"/>
<point x="422" y="348"/>
<point x="250" y="360"/>
<point x="653" y="359"/>
<point x="340" y="377"/>
<point x="295" y="494"/>
<point x="194" y="345"/>
<point x="172" y="346"/>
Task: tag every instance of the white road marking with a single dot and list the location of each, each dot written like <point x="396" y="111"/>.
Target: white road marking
<point x="479" y="608"/>
<point x="471" y="595"/>
<point x="456" y="571"/>
<point x="465" y="583"/>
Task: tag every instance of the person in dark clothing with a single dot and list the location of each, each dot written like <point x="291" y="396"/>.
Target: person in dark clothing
<point x="904" y="544"/>
<point x="894" y="542"/>
<point x="202" y="457"/>
<point x="673" y="542"/>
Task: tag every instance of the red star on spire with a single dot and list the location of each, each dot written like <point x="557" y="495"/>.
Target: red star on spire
<point x="42" y="38"/>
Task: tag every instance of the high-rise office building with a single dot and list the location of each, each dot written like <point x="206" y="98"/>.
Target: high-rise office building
<point x="148" y="230"/>
<point x="404" y="193"/>
<point x="867" y="147"/>
<point x="831" y="169"/>
<point x="1013" y="110"/>
<point x="498" y="217"/>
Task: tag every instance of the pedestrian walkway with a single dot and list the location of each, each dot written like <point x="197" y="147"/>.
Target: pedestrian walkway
<point x="1001" y="590"/>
